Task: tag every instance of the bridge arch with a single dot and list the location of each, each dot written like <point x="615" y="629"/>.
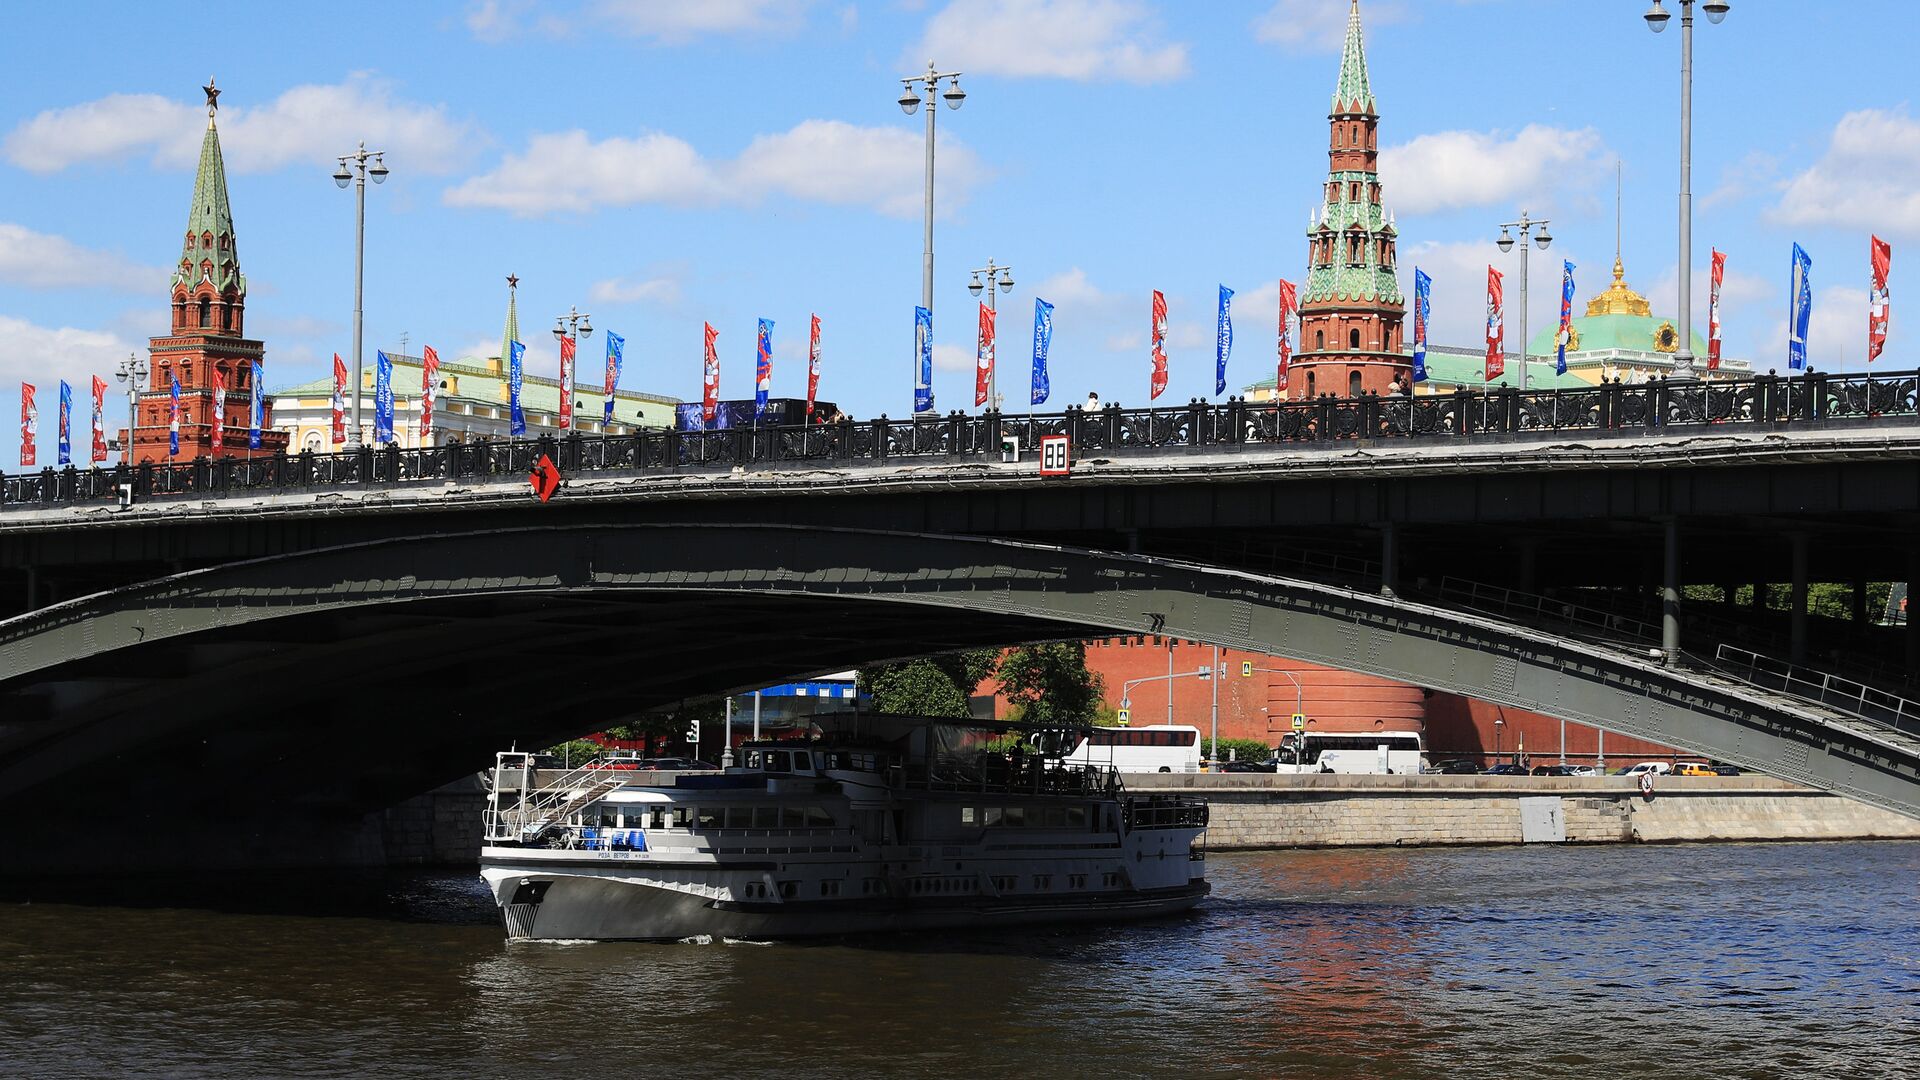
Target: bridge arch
<point x="952" y="591"/>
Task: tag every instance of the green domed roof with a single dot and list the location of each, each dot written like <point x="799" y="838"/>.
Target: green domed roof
<point x="1618" y="318"/>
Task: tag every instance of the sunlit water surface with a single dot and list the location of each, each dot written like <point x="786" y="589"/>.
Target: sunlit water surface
<point x="1743" y="960"/>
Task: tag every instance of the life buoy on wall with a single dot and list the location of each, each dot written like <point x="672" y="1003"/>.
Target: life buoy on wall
<point x="1646" y="784"/>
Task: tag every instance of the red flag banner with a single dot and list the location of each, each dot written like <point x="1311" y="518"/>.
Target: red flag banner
<point x="100" y="420"/>
<point x="813" y="367"/>
<point x="983" y="358"/>
<point x="1713" y="310"/>
<point x="29" y="425"/>
<point x="339" y="401"/>
<point x="566" y="382"/>
<point x="1159" y="383"/>
<point x="429" y="387"/>
<point x="1496" y="328"/>
<point x="710" y="380"/>
<point x="219" y="419"/>
<point x="1879" y="303"/>
<point x="1288" y="304"/>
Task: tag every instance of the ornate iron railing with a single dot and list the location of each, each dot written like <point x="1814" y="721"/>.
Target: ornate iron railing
<point x="1460" y="415"/>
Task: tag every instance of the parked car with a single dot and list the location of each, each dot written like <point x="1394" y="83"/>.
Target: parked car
<point x="1553" y="770"/>
<point x="1582" y="770"/>
<point x="1458" y="767"/>
<point x="1504" y="769"/>
<point x="677" y="764"/>
<point x="1658" y="768"/>
<point x="1725" y="769"/>
<point x="1694" y="768"/>
<point x="1249" y="766"/>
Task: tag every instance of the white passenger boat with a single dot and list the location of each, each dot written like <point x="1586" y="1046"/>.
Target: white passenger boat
<point x="875" y="823"/>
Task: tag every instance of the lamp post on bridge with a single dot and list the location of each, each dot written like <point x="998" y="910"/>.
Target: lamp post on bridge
<point x="916" y="90"/>
<point x="1005" y="281"/>
<point x="132" y="371"/>
<point x="1657" y="17"/>
<point x="357" y="176"/>
<point x="1525" y="225"/>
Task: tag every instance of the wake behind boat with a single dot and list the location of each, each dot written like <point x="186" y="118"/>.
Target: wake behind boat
<point x="877" y="823"/>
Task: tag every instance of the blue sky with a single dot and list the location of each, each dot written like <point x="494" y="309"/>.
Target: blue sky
<point x="660" y="164"/>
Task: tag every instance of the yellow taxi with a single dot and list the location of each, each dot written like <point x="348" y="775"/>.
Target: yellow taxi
<point x="1694" y="768"/>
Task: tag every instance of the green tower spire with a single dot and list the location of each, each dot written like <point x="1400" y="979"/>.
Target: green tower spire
<point x="512" y="333"/>
<point x="209" y="251"/>
<point x="1351" y="93"/>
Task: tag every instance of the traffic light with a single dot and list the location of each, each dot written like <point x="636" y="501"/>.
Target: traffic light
<point x="1246" y="669"/>
<point x="693" y="733"/>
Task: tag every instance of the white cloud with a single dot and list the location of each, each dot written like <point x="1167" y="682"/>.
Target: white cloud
<point x="657" y="290"/>
<point x="1836" y="332"/>
<point x="1868" y="179"/>
<point x="1459" y="273"/>
<point x="953" y="357"/>
<point x="43" y="356"/>
<point x="306" y="125"/>
<point x="828" y="161"/>
<point x="1069" y="288"/>
<point x="1315" y="25"/>
<point x="1083" y="40"/>
<point x="674" y="21"/>
<point x="1448" y="170"/>
<point x="44" y="261"/>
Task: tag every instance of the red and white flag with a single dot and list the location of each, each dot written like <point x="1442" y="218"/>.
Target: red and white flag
<point x="100" y="419"/>
<point x="1288" y="304"/>
<point x="1159" y="383"/>
<point x="813" y="367"/>
<point x="1496" y="327"/>
<point x="429" y="386"/>
<point x="1879" y="303"/>
<point x="219" y="420"/>
<point x="339" y="401"/>
<point x="983" y="358"/>
<point x="566" y="382"/>
<point x="1713" y="310"/>
<point x="710" y="380"/>
<point x="29" y="425"/>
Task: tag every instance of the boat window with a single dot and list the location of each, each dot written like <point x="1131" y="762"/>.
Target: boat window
<point x="709" y="817"/>
<point x="659" y="816"/>
<point x="1056" y="817"/>
<point x="766" y="817"/>
<point x="792" y="817"/>
<point x="818" y="818"/>
<point x="753" y="759"/>
<point x="994" y="815"/>
<point x="802" y="761"/>
<point x="1076" y="817"/>
<point x="776" y="760"/>
<point x="1015" y="816"/>
<point x="739" y="817"/>
<point x="682" y="815"/>
<point x="969" y="815"/>
<point x="609" y="815"/>
<point x="789" y="889"/>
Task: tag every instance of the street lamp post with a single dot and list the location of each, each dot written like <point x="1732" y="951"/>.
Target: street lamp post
<point x="581" y="324"/>
<point x="357" y="176"/>
<point x="1005" y="281"/>
<point x="1657" y="21"/>
<point x="132" y="371"/>
<point x="1526" y="226"/>
<point x="915" y="90"/>
<point x="1498" y="725"/>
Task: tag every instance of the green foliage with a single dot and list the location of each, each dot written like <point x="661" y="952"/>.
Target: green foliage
<point x="1827" y="599"/>
<point x="1242" y="749"/>
<point x="925" y="687"/>
<point x="574" y="752"/>
<point x="1050" y="683"/>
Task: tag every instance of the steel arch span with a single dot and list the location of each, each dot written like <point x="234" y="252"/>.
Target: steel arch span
<point x="517" y="633"/>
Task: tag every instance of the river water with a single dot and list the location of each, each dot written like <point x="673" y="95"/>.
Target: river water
<point x="1737" y="960"/>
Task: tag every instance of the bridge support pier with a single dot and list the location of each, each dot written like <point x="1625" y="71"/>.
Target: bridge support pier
<point x="33" y="588"/>
<point x="1389" y="559"/>
<point x="1912" y="610"/>
<point x="1670" y="593"/>
<point x="1797" y="621"/>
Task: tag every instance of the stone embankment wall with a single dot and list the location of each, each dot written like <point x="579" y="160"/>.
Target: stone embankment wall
<point x="440" y="828"/>
<point x="1252" y="810"/>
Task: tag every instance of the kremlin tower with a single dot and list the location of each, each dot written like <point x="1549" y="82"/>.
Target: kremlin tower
<point x="1351" y="307"/>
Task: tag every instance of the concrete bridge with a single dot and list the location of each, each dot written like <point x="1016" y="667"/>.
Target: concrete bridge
<point x="228" y="655"/>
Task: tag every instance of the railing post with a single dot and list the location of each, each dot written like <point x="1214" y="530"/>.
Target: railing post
<point x="880" y="426"/>
<point x="1325" y="409"/>
<point x="1656" y="401"/>
<point x="1113" y="420"/>
<point x="1196" y="434"/>
<point x="1608" y="391"/>
<point x="1817" y="383"/>
<point x="1237" y="420"/>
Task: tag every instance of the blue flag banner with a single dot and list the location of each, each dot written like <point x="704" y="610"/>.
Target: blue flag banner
<point x="516" y="416"/>
<point x="616" y="356"/>
<point x="923" y="360"/>
<point x="256" y="405"/>
<point x="173" y="417"/>
<point x="1422" y="314"/>
<point x="1042" y="341"/>
<point x="1800" y="307"/>
<point x="762" y="369"/>
<point x="382" y="398"/>
<point x="1565" y="333"/>
<point x="66" y="423"/>
<point x="1223" y="341"/>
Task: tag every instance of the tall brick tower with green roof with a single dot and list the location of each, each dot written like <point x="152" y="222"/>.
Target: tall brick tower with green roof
<point x="209" y="298"/>
<point x="1351" y="307"/>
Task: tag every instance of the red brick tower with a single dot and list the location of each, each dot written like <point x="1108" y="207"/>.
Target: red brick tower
<point x="1351" y="307"/>
<point x="209" y="298"/>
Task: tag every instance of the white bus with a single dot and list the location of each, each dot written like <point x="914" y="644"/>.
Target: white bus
<point x="1353" y="752"/>
<point x="1151" y="748"/>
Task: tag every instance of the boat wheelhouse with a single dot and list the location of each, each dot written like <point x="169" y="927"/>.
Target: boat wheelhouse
<point x="876" y="823"/>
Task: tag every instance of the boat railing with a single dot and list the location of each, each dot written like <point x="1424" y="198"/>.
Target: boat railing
<point x="1164" y="812"/>
<point x="518" y="811"/>
<point x="998" y="774"/>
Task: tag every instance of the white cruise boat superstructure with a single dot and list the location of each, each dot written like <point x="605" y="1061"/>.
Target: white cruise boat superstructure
<point x="877" y="823"/>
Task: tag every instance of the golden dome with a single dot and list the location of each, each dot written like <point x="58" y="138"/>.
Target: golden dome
<point x="1619" y="299"/>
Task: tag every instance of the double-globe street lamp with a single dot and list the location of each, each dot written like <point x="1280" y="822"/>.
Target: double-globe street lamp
<point x="581" y="324"/>
<point x="354" y="170"/>
<point x="1526" y="226"/>
<point x="976" y="286"/>
<point x="1657" y="17"/>
<point x="918" y="89"/>
<point x="133" y="372"/>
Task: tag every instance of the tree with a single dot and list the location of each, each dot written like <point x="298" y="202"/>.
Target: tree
<point x="930" y="686"/>
<point x="1050" y="683"/>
